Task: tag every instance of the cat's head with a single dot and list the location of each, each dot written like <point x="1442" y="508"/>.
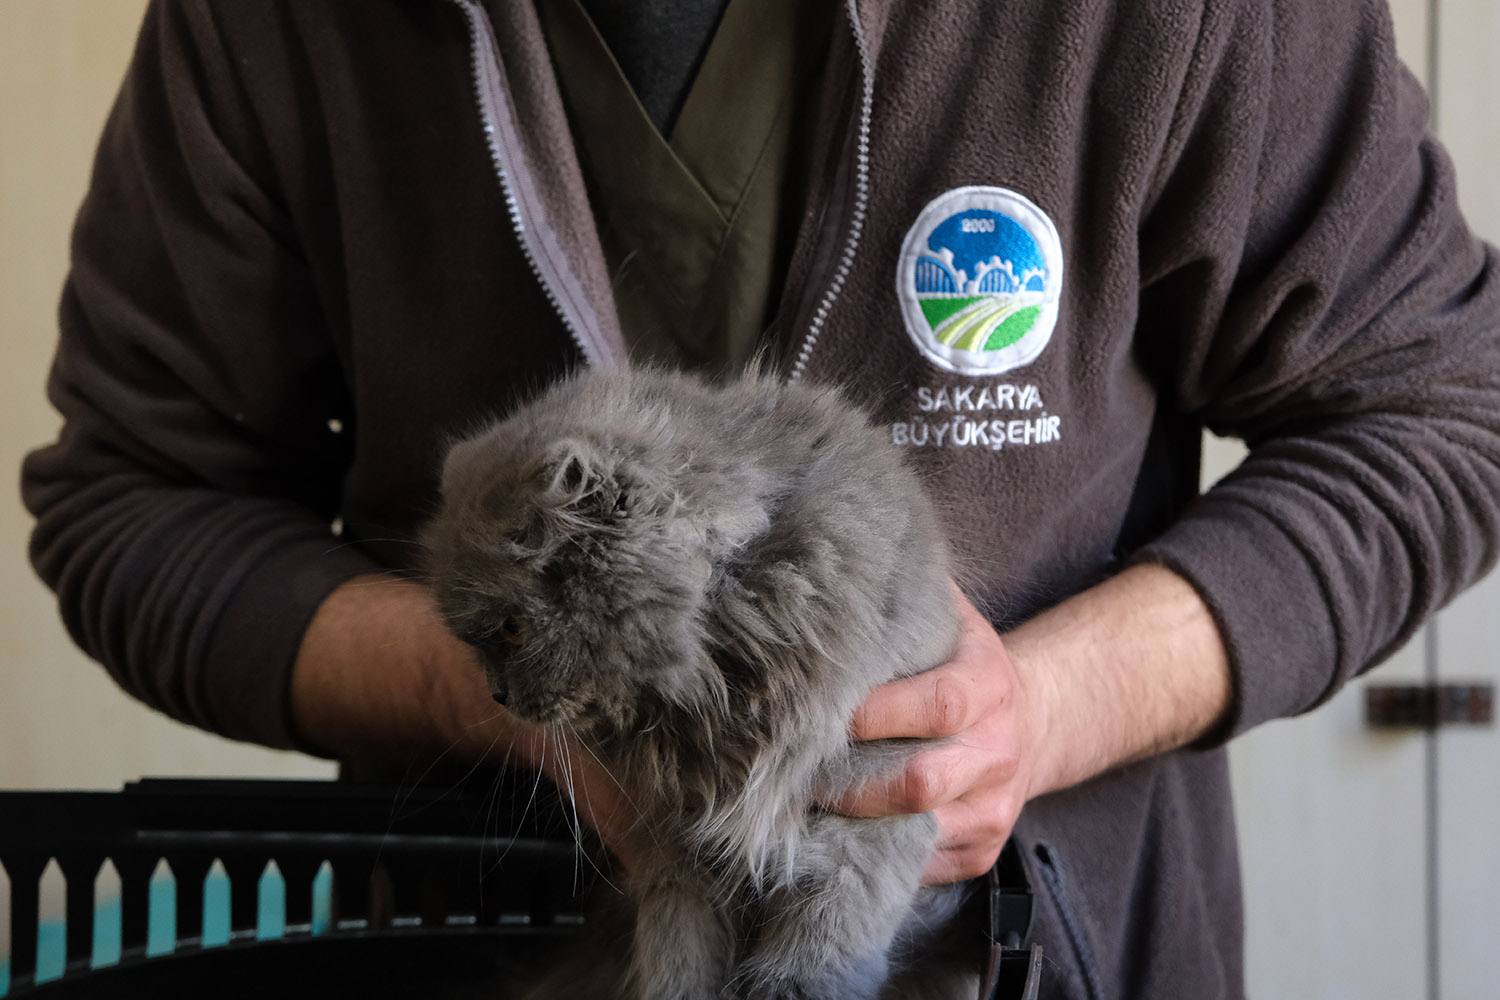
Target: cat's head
<point x="567" y="564"/>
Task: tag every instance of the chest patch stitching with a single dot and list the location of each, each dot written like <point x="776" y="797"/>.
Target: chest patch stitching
<point x="979" y="280"/>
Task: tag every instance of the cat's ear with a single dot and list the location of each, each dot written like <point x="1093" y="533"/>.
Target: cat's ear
<point x="572" y="471"/>
<point x="596" y="484"/>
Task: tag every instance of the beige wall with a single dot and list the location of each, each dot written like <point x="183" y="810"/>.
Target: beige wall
<point x="63" y="723"/>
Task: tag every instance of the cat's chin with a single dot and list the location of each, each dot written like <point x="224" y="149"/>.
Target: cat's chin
<point x="550" y="717"/>
<point x="557" y="715"/>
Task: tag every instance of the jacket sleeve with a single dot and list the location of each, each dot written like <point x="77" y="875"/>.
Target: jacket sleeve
<point x="1310" y="286"/>
<point x="183" y="515"/>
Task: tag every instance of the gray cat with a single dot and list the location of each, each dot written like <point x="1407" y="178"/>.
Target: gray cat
<point x="701" y="583"/>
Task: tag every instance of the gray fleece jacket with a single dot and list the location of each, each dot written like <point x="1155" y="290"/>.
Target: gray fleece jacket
<point x="1046" y="237"/>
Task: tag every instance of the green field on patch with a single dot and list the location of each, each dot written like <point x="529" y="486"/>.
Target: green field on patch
<point x="938" y="309"/>
<point x="1013" y="329"/>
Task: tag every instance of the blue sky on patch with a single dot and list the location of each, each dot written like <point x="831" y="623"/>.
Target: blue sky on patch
<point x="1010" y="241"/>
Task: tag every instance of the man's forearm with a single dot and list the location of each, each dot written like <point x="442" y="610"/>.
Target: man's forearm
<point x="1132" y="667"/>
<point x="379" y="680"/>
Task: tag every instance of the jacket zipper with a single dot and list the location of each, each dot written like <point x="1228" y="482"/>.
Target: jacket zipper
<point x="861" y="198"/>
<point x="483" y="69"/>
<point x="481" y="42"/>
<point x="1053" y="876"/>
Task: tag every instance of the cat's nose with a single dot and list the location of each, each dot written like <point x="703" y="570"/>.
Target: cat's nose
<point x="499" y="695"/>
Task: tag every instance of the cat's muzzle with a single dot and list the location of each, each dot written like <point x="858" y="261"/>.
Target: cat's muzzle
<point x="524" y="700"/>
<point x="499" y="690"/>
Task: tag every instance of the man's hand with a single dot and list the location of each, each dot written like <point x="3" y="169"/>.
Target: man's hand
<point x="977" y="779"/>
<point x="1132" y="667"/>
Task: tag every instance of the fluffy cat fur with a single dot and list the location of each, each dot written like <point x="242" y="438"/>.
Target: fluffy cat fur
<point x="701" y="583"/>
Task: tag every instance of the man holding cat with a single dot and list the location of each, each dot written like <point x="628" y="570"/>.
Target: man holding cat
<point x="322" y="242"/>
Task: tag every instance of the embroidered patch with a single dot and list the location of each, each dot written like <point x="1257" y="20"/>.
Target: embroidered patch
<point x="979" y="280"/>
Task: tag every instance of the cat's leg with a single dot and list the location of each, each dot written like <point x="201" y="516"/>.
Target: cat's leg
<point x="683" y="943"/>
<point x="828" y="931"/>
<point x="936" y="956"/>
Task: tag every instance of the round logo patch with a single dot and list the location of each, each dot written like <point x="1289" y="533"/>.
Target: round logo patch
<point x="979" y="280"/>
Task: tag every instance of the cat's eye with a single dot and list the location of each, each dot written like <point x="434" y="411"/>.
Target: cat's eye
<point x="511" y="632"/>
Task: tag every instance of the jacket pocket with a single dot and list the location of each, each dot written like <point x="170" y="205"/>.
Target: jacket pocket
<point x="1051" y="873"/>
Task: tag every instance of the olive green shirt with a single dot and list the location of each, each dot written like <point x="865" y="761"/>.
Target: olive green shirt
<point x="697" y="226"/>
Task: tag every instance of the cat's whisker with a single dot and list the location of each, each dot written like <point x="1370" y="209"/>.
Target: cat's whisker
<point x="478" y="761"/>
<point x="392" y="541"/>
<point x="486" y="721"/>
<point x="565" y="776"/>
<point x="640" y="821"/>
<point x="492" y="811"/>
<point x="341" y="544"/>
<point x="400" y="801"/>
<point x="467" y="588"/>
<point x="608" y="773"/>
<point x="528" y="656"/>
<point x="536" y="783"/>
<point x="580" y="850"/>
